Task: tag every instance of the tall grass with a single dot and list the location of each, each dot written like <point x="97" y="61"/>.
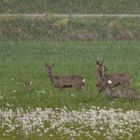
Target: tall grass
<point x="20" y="61"/>
<point x="52" y="28"/>
<point x="70" y="6"/>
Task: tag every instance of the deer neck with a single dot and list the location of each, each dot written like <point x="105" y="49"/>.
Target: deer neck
<point x="51" y="76"/>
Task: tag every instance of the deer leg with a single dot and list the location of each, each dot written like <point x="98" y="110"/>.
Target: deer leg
<point x="60" y="88"/>
<point x="82" y="86"/>
<point x="77" y="87"/>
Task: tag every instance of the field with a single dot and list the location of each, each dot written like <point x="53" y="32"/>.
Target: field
<point x="70" y="6"/>
<point x="23" y="60"/>
<point x="69" y="29"/>
<point x="72" y="44"/>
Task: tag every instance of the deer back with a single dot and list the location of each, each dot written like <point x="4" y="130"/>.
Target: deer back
<point x="130" y="93"/>
<point x="119" y="79"/>
<point x="68" y="80"/>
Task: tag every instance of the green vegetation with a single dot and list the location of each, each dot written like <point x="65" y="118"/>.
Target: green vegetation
<point x="20" y="61"/>
<point x="70" y="6"/>
<point x="73" y="45"/>
<point x="53" y="28"/>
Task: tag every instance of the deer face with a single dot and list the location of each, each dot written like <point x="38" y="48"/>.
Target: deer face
<point x="103" y="84"/>
<point x="49" y="67"/>
<point x="100" y="69"/>
<point x="27" y="86"/>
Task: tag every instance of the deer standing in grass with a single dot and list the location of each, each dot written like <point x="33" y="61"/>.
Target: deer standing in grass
<point x="122" y="79"/>
<point x="27" y="86"/>
<point x="124" y="92"/>
<point x="60" y="82"/>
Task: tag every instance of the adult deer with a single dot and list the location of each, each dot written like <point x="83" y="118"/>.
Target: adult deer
<point x="101" y="69"/>
<point x="60" y="82"/>
<point x="123" y="92"/>
<point x="122" y="79"/>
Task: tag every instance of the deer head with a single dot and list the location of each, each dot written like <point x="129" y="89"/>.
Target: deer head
<point x="122" y="79"/>
<point x="49" y="67"/>
<point x="104" y="85"/>
<point x="101" y="69"/>
<point x="27" y="86"/>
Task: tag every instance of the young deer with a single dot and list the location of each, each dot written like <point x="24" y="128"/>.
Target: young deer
<point x="122" y="79"/>
<point x="27" y="86"/>
<point x="60" y="82"/>
<point x="124" y="92"/>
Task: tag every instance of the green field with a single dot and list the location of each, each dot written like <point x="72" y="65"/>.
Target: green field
<point x="73" y="45"/>
<point x="21" y="61"/>
<point x="69" y="29"/>
<point x="70" y="6"/>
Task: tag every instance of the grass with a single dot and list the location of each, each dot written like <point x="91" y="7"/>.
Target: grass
<point x="70" y="6"/>
<point x="20" y="61"/>
<point x="52" y="28"/>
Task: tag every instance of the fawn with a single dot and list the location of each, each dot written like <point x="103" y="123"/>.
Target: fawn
<point x="60" y="82"/>
<point x="27" y="86"/>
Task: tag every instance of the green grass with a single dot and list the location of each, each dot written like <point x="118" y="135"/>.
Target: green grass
<point x="70" y="6"/>
<point x="20" y="61"/>
<point x="52" y="28"/>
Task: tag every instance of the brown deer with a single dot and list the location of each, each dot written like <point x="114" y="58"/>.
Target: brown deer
<point x="27" y="86"/>
<point x="60" y="82"/>
<point x="122" y="79"/>
<point x="100" y="72"/>
<point x="124" y="92"/>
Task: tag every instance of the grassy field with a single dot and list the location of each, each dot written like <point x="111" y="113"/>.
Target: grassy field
<point x="21" y="61"/>
<point x="53" y="28"/>
<point x="70" y="6"/>
<point x="73" y="45"/>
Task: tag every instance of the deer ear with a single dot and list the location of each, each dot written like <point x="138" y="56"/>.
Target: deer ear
<point x="102" y="62"/>
<point x="30" y="82"/>
<point x="97" y="62"/>
<point x="25" y="83"/>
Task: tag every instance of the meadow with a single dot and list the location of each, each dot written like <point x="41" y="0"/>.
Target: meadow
<point x="73" y="45"/>
<point x="70" y="6"/>
<point x="21" y="61"/>
<point x="48" y="109"/>
<point x="53" y="28"/>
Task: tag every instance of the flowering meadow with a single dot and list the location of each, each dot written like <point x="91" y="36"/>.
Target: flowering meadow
<point x="92" y="123"/>
<point x="46" y="113"/>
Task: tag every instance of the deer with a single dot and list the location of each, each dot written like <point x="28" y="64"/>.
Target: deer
<point x="122" y="79"/>
<point x="27" y="86"/>
<point x="123" y="92"/>
<point x="101" y="69"/>
<point x="60" y="82"/>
